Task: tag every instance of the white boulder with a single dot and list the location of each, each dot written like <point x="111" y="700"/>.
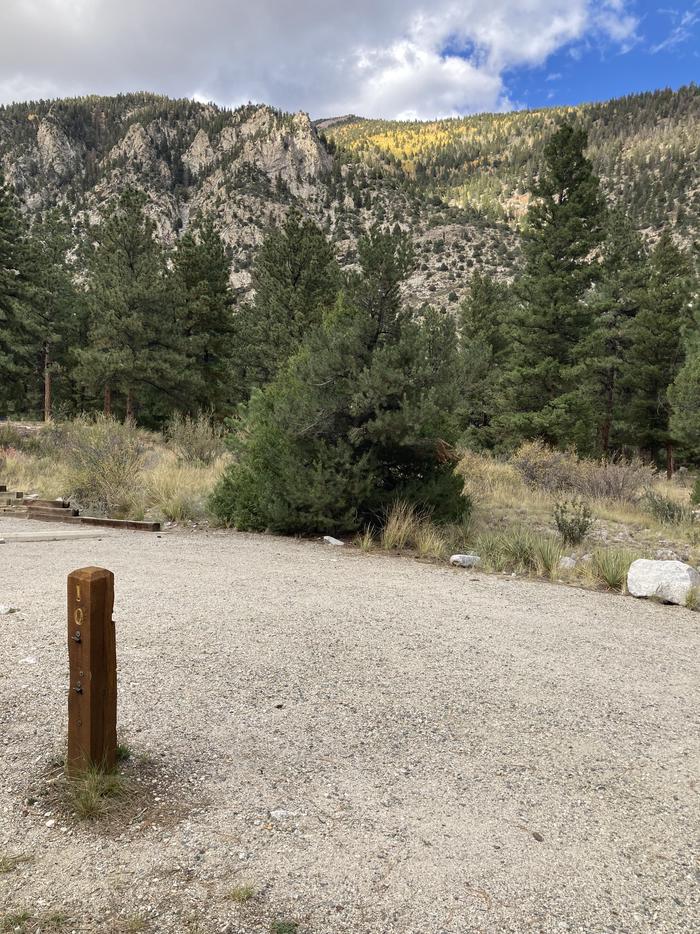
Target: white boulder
<point x="465" y="561"/>
<point x="567" y="563"/>
<point x="670" y="581"/>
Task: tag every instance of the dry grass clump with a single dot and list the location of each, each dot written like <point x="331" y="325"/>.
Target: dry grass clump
<point x="365" y="539"/>
<point x="400" y="524"/>
<point x="548" y="553"/>
<point x="179" y="492"/>
<point x="430" y="541"/>
<point x="487" y="477"/>
<point x="561" y="472"/>
<point x="406" y="527"/>
<point x="197" y="439"/>
<point x="692" y="600"/>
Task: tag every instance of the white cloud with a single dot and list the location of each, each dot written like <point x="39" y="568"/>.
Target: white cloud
<point x="412" y="58"/>
<point x="684" y="29"/>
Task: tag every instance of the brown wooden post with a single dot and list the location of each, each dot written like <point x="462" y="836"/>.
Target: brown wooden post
<point x="92" y="658"/>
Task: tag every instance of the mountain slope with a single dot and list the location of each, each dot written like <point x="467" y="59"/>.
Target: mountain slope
<point x="458" y="186"/>
<point x="645" y="148"/>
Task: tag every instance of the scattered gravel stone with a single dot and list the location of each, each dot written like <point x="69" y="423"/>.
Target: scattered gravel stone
<point x="329" y="540"/>
<point x="5" y="609"/>
<point x="465" y="561"/>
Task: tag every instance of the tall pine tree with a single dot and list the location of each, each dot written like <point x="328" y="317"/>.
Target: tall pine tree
<point x="204" y="316"/>
<point x="613" y="304"/>
<point x="484" y="350"/>
<point x="295" y="278"/>
<point x="564" y="227"/>
<point x="58" y="309"/>
<point x="135" y="350"/>
<point x="657" y="338"/>
<point x="17" y="337"/>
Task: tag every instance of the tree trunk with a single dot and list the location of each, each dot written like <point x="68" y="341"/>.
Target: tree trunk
<point x="129" y="406"/>
<point x="670" y="462"/>
<point x="47" y="383"/>
<point x="607" y="423"/>
<point x="108" y="401"/>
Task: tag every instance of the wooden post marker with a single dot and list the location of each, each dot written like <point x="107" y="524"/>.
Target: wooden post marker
<point x="92" y="660"/>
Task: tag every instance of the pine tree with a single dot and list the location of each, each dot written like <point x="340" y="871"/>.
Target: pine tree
<point x="564" y="226"/>
<point x="295" y="278"/>
<point x="17" y="340"/>
<point x="361" y="414"/>
<point x="484" y="350"/>
<point x="57" y="312"/>
<point x="683" y="395"/>
<point x="657" y="337"/>
<point x="135" y="349"/>
<point x="203" y="306"/>
<point x="612" y="304"/>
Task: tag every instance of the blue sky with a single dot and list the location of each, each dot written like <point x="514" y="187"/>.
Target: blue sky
<point x="411" y="59"/>
<point x="664" y="51"/>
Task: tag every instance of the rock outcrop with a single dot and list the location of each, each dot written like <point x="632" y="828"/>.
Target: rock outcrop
<point x="56" y="155"/>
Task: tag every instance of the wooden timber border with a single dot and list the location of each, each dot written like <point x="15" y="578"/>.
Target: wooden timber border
<point x="59" y="510"/>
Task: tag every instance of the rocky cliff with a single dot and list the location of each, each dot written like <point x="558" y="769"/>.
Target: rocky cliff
<point x="245" y="168"/>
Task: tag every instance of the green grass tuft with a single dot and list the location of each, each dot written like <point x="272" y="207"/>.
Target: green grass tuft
<point x="96" y="792"/>
<point x="241" y="894"/>
<point x="609" y="567"/>
<point x="284" y="927"/>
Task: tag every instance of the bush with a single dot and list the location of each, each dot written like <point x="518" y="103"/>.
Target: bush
<point x="360" y="415"/>
<point x="543" y="468"/>
<point x="573" y="519"/>
<point x="695" y="495"/>
<point x="197" y="440"/>
<point x="609" y="566"/>
<point x="666" y="510"/>
<point x="105" y="460"/>
<point x="10" y="437"/>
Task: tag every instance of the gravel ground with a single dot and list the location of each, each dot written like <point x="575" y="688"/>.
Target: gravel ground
<point x="373" y="743"/>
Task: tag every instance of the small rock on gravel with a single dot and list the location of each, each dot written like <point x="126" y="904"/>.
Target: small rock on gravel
<point x="465" y="561"/>
<point x="329" y="540"/>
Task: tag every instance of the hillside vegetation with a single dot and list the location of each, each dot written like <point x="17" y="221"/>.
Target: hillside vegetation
<point x="644" y="147"/>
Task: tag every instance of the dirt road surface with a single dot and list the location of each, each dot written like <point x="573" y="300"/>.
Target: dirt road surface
<point x="373" y="744"/>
